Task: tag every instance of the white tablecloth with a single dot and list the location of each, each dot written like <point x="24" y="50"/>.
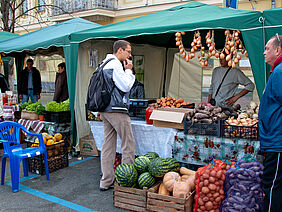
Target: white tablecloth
<point x="147" y="138"/>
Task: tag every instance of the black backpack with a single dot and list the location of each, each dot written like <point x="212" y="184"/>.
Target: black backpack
<point x="98" y="95"/>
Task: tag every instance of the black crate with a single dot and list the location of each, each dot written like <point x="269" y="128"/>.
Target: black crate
<point x="213" y="129"/>
<point x="36" y="164"/>
<point x="245" y="132"/>
<point x="137" y="107"/>
<point x="57" y="158"/>
<point x="58" y="117"/>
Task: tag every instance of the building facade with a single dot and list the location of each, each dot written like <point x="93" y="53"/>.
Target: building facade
<point x="48" y="12"/>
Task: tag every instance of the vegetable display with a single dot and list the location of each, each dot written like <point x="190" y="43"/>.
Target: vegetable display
<point x="209" y="181"/>
<point x="233" y="46"/>
<point x="171" y="102"/>
<point x="243" y="188"/>
<point x="58" y="107"/>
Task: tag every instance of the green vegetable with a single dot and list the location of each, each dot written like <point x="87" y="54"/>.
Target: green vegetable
<point x="58" y="107"/>
<point x="39" y="109"/>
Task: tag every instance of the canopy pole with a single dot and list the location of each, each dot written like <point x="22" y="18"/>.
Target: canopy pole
<point x="165" y="71"/>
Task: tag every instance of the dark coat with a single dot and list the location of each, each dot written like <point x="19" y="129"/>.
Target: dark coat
<point x="137" y="91"/>
<point x="61" y="87"/>
<point x="3" y="84"/>
<point x="23" y="82"/>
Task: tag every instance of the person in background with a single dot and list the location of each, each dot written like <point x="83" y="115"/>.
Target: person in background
<point x="61" y="84"/>
<point x="270" y="127"/>
<point x="137" y="90"/>
<point x="115" y="117"/>
<point x="29" y="83"/>
<point x="3" y="84"/>
<point x="234" y="78"/>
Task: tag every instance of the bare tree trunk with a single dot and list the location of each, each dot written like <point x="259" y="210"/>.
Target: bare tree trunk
<point x="11" y="76"/>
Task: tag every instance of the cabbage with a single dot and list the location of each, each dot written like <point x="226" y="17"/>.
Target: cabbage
<point x="253" y="105"/>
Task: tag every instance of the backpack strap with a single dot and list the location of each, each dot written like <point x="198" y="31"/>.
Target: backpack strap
<point x="102" y="68"/>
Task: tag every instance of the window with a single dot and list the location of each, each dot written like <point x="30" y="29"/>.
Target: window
<point x="39" y="3"/>
<point x="24" y="7"/>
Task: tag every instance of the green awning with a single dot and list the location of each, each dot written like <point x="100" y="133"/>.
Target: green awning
<point x="159" y="28"/>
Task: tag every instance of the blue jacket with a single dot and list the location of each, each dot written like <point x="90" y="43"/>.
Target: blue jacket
<point x="270" y="113"/>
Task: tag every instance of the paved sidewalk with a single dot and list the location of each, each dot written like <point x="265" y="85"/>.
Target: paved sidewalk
<point x="75" y="188"/>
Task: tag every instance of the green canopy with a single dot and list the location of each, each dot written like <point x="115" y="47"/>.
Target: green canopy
<point x="5" y="36"/>
<point x="43" y="41"/>
<point x="272" y="25"/>
<point x="159" y="28"/>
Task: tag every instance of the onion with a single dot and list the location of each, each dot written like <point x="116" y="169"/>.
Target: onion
<point x="183" y="33"/>
<point x="217" y="55"/>
<point x="228" y="57"/>
<point x="238" y="57"/>
<point x="181" y="51"/>
<point x="222" y="56"/>
<point x="187" y="58"/>
<point x="213" y="53"/>
<point x="230" y="63"/>
<point x="211" y="48"/>
<point x="178" y="43"/>
<point x="178" y="34"/>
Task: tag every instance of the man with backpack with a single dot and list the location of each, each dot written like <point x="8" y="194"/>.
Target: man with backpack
<point x="115" y="115"/>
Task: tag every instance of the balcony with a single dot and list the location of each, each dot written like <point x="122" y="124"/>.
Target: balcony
<point x="73" y="6"/>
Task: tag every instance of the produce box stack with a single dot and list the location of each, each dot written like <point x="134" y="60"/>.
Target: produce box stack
<point x="133" y="181"/>
<point x="56" y="153"/>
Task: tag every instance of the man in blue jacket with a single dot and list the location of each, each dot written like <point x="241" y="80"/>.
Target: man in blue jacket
<point x="270" y="127"/>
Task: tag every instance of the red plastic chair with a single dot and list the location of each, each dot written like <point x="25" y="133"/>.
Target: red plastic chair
<point x="9" y="136"/>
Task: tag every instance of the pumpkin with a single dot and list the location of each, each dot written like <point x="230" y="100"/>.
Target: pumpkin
<point x="170" y="179"/>
<point x="181" y="189"/>
<point x="163" y="190"/>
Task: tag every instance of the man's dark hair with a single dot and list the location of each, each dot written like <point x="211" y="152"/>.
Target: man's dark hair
<point x="120" y="44"/>
<point x="62" y="65"/>
<point x="277" y="40"/>
<point x="29" y="61"/>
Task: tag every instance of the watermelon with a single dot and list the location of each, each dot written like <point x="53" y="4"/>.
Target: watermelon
<point x="146" y="180"/>
<point x="141" y="164"/>
<point x="126" y="175"/>
<point x="173" y="164"/>
<point x="151" y="155"/>
<point x="159" y="167"/>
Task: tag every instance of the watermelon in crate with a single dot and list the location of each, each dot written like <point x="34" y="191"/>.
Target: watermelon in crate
<point x="141" y="164"/>
<point x="173" y="164"/>
<point x="146" y="180"/>
<point x="159" y="167"/>
<point x="126" y="175"/>
<point x="151" y="155"/>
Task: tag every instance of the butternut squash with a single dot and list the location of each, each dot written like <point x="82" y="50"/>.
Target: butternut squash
<point x="163" y="190"/>
<point x="185" y="171"/>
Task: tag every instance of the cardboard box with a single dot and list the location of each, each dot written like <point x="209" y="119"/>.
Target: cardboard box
<point x="169" y="117"/>
<point x="88" y="146"/>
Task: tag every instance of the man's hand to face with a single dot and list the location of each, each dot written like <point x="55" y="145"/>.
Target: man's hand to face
<point x="127" y="64"/>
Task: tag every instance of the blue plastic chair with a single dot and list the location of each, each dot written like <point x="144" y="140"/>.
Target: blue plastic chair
<point x="9" y="136"/>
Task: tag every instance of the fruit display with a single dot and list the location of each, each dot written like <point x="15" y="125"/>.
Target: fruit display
<point x="233" y="46"/>
<point x="146" y="170"/>
<point x="172" y="103"/>
<point x="54" y="144"/>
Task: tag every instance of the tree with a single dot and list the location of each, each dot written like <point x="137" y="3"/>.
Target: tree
<point x="12" y="11"/>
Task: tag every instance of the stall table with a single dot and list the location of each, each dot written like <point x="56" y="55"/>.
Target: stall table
<point x="201" y="149"/>
<point x="148" y="138"/>
<point x="8" y="111"/>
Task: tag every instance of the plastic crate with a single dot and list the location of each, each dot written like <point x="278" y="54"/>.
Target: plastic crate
<point x="213" y="129"/>
<point x="36" y="164"/>
<point x="137" y="107"/>
<point x="57" y="159"/>
<point x="246" y="132"/>
<point x="58" y="117"/>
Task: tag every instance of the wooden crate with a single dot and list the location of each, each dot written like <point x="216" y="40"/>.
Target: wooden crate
<point x="132" y="199"/>
<point x="157" y="202"/>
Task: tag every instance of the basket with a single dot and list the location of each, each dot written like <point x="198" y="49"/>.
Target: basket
<point x="30" y="115"/>
<point x="213" y="129"/>
<point x="58" y="117"/>
<point x="246" y="132"/>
